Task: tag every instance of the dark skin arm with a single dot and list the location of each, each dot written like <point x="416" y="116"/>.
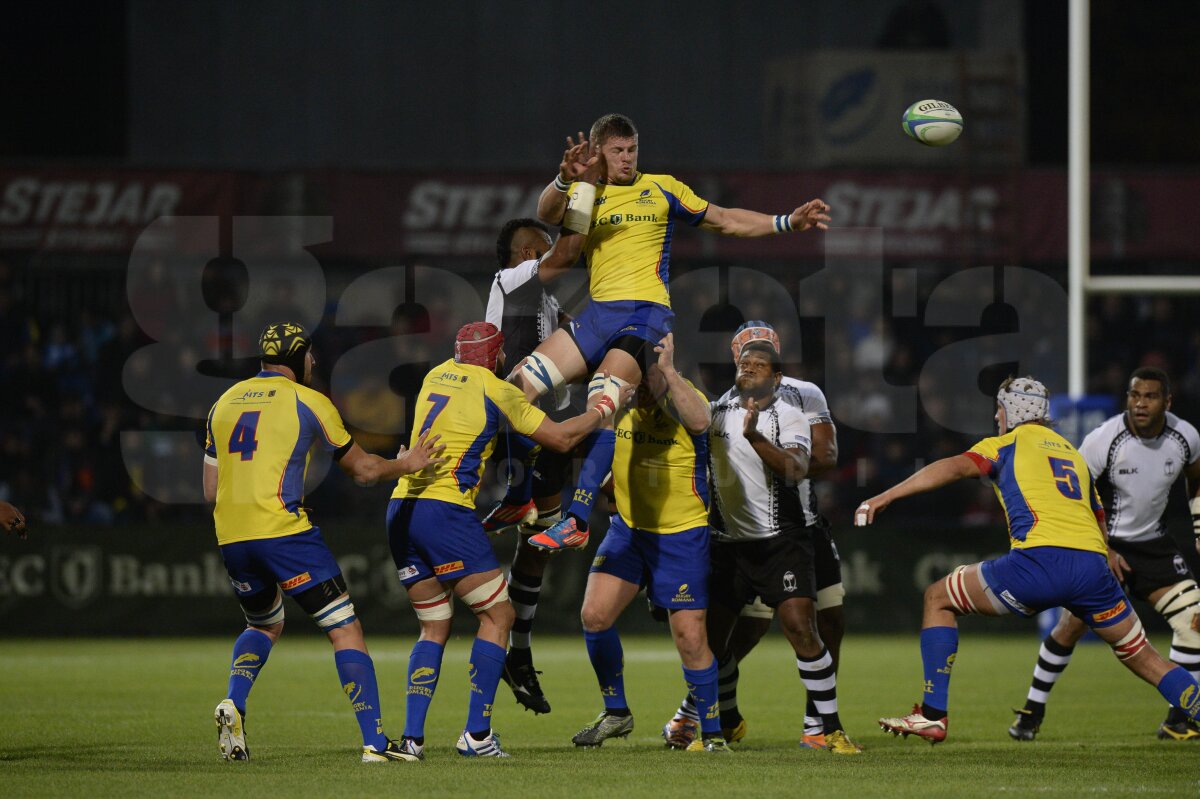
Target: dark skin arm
<point x="824" y="450"/>
<point x="790" y="463"/>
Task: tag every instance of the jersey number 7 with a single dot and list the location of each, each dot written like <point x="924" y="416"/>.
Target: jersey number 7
<point x="439" y="404"/>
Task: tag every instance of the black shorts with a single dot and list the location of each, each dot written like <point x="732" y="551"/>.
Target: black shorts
<point x="550" y="470"/>
<point x="774" y="569"/>
<point x="826" y="561"/>
<point x="1155" y="564"/>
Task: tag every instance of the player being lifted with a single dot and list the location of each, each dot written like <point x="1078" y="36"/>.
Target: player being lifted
<point x="628" y="220"/>
<point x="260" y="432"/>
<point x="755" y="618"/>
<point x="1058" y="557"/>
<point x="439" y="546"/>
<point x="1141" y="453"/>
<point x="526" y="313"/>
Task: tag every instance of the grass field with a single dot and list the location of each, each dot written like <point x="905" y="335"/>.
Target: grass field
<point x="134" y="718"/>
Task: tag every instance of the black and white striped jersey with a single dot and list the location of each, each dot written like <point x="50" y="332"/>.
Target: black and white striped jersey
<point x="1141" y="472"/>
<point x="808" y="398"/>
<point x="523" y="310"/>
<point x="751" y="500"/>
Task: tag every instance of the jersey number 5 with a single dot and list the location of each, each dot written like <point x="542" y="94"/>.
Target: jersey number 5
<point x="1065" y="478"/>
<point x="244" y="438"/>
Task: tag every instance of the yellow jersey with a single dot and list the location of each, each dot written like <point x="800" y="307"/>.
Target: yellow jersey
<point x="1045" y="487"/>
<point x="628" y="248"/>
<point x="660" y="470"/>
<point x="260" y="432"/>
<point x="466" y="405"/>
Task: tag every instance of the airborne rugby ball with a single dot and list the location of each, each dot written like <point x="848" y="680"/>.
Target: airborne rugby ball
<point x="932" y="122"/>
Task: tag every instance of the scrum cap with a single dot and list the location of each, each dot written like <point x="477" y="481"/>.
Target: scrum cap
<point x="1024" y="400"/>
<point x="285" y="343"/>
<point x="754" y="330"/>
<point x="478" y="344"/>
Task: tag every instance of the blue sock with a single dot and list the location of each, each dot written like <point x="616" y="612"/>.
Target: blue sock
<point x="424" y="668"/>
<point x="1181" y="689"/>
<point x="522" y="452"/>
<point x="486" y="666"/>
<point x="939" y="645"/>
<point x="250" y="652"/>
<point x="597" y="463"/>
<point x="702" y="685"/>
<point x="357" y="673"/>
<point x="608" y="661"/>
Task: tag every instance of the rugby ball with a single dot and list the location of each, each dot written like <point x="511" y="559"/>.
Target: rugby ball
<point x="932" y="122"/>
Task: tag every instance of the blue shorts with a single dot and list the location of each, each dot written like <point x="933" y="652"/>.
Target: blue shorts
<point x="1027" y="581"/>
<point x="602" y="323"/>
<point x="294" y="562"/>
<point x="431" y="538"/>
<point x="672" y="567"/>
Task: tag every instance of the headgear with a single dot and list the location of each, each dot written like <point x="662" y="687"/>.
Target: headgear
<point x="285" y="343"/>
<point x="478" y="344"/>
<point x="1024" y="400"/>
<point x="754" y="330"/>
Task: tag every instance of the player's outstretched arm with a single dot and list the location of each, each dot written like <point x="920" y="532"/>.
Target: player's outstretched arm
<point x="12" y="520"/>
<point x="690" y="408"/>
<point x="824" y="449"/>
<point x="576" y="160"/>
<point x="935" y="475"/>
<point x="367" y="469"/>
<point x="744" y="223"/>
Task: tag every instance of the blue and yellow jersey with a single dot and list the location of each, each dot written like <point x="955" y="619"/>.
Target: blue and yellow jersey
<point x="628" y="248"/>
<point x="1045" y="488"/>
<point x="260" y="432"/>
<point x="660" y="471"/>
<point x="466" y="406"/>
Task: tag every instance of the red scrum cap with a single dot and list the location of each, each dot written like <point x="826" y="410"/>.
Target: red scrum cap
<point x="754" y="330"/>
<point x="478" y="344"/>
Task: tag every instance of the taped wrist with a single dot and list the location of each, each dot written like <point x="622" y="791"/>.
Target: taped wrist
<point x="561" y="184"/>
<point x="579" y="208"/>
<point x="783" y="223"/>
<point x="604" y="395"/>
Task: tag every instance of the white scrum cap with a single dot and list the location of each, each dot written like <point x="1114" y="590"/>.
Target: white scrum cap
<point x="1024" y="400"/>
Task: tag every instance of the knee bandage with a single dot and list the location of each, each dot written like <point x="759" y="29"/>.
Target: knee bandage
<point x="437" y="608"/>
<point x="956" y="588"/>
<point x="491" y="593"/>
<point x="1133" y="642"/>
<point x="1179" y="607"/>
<point x="268" y="617"/>
<point x="541" y="373"/>
<point x="604" y="394"/>
<point x="337" y="613"/>
<point x="579" y="208"/>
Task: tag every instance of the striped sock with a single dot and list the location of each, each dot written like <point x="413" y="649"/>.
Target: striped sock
<point x="813" y="725"/>
<point x="820" y="682"/>
<point x="687" y="710"/>
<point x="1052" y="660"/>
<point x="523" y="591"/>
<point x="727" y="682"/>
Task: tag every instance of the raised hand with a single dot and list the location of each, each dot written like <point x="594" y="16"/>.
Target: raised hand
<point x="666" y="353"/>
<point x="814" y="213"/>
<point x="577" y="160"/>
<point x="750" y="423"/>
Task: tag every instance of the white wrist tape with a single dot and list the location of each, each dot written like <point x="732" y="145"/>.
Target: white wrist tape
<point x="560" y="184"/>
<point x="579" y="208"/>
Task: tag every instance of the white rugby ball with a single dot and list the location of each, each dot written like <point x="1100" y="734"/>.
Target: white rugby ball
<point x="933" y="122"/>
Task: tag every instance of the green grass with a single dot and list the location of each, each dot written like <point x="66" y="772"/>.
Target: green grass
<point x="134" y="718"/>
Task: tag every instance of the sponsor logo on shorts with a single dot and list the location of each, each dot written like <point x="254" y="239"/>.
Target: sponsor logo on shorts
<point x="1013" y="602"/>
<point x="789" y="582"/>
<point x="446" y="568"/>
<point x="423" y="676"/>
<point x="1180" y="567"/>
<point x="240" y="587"/>
<point x="408" y="572"/>
<point x="296" y="582"/>
<point x="1105" y="615"/>
<point x="682" y="594"/>
<point x="598" y="561"/>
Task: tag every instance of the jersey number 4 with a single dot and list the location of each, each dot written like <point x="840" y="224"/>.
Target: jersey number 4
<point x="1065" y="478"/>
<point x="244" y="438"/>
